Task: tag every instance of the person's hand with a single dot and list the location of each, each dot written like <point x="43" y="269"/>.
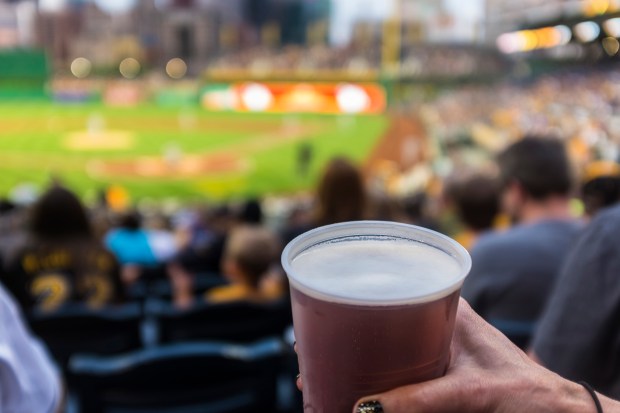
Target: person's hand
<point x="487" y="373"/>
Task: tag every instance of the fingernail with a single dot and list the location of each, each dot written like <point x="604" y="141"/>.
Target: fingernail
<point x="369" y="407"/>
<point x="298" y="376"/>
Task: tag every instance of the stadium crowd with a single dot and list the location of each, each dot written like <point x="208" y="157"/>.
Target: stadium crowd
<point x="299" y="58"/>
<point x="581" y="107"/>
<point x="543" y="275"/>
<point x="417" y="60"/>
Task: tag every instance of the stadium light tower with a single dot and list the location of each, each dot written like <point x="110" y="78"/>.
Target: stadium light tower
<point x="391" y="47"/>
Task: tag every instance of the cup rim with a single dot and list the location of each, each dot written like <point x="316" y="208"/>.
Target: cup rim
<point x="391" y="229"/>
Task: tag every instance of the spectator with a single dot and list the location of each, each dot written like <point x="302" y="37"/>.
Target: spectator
<point x="28" y="381"/>
<point x="251" y="212"/>
<point x="475" y="198"/>
<point x="62" y="261"/>
<point x="207" y="238"/>
<point x="601" y="187"/>
<point x="249" y="256"/>
<point x="130" y="243"/>
<point x="513" y="272"/>
<point x="578" y="335"/>
<point x="415" y="209"/>
<point x="161" y="238"/>
<point x="341" y="196"/>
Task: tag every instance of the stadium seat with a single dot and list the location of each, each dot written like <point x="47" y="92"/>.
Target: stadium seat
<point x="76" y="328"/>
<point x="202" y="283"/>
<point x="160" y="288"/>
<point x="239" y="321"/>
<point x="196" y="377"/>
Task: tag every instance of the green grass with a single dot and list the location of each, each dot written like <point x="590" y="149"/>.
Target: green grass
<point x="33" y="147"/>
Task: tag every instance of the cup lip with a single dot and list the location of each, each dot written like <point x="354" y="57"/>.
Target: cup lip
<point x="454" y="250"/>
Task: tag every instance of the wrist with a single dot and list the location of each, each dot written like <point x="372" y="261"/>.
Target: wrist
<point x="609" y="405"/>
<point x="545" y="392"/>
<point x="574" y="397"/>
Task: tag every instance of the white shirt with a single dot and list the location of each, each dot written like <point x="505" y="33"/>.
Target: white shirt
<point x="163" y="244"/>
<point x="28" y="381"/>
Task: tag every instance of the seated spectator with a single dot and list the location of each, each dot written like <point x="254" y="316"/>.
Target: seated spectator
<point x="249" y="255"/>
<point x="130" y="243"/>
<point x="601" y="186"/>
<point x="61" y="260"/>
<point x="415" y="208"/>
<point x="513" y="272"/>
<point x="251" y="212"/>
<point x="340" y="196"/>
<point x="205" y="242"/>
<point x="475" y="197"/>
<point x="161" y="237"/>
<point x="28" y="381"/>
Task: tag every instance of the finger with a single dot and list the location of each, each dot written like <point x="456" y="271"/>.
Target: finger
<point x="437" y="396"/>
<point x="298" y="378"/>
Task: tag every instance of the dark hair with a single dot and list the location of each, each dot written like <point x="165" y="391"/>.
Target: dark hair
<point x="539" y="164"/>
<point x="6" y="206"/>
<point x="131" y="221"/>
<point x="414" y="204"/>
<point x="476" y="199"/>
<point x="341" y="194"/>
<point x="251" y="212"/>
<point x="59" y="214"/>
<point x="600" y="193"/>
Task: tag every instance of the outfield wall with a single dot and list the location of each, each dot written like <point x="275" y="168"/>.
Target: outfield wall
<point x="23" y="74"/>
<point x="351" y="98"/>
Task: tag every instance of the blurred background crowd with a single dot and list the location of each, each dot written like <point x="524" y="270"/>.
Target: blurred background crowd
<point x="497" y="123"/>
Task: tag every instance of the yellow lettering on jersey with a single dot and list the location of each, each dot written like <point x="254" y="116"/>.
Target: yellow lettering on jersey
<point x="30" y="263"/>
<point x="98" y="290"/>
<point x="50" y="290"/>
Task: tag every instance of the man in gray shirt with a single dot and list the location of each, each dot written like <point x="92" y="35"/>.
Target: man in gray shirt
<point x="513" y="272"/>
<point x="578" y="336"/>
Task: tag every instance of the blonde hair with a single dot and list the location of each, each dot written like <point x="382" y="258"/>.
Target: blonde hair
<point x="254" y="249"/>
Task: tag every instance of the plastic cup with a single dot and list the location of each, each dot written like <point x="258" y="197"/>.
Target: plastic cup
<point x="374" y="305"/>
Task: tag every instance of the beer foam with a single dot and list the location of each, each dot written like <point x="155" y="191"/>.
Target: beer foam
<point x="376" y="271"/>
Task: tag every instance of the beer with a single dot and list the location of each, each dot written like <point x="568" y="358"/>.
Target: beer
<point x="373" y="306"/>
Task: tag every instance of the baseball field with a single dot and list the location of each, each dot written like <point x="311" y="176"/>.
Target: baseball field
<point x="182" y="153"/>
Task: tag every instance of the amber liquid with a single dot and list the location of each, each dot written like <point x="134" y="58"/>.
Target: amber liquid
<point x="352" y="351"/>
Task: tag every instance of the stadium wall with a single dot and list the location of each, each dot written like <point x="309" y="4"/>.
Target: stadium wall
<point x="23" y="74"/>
